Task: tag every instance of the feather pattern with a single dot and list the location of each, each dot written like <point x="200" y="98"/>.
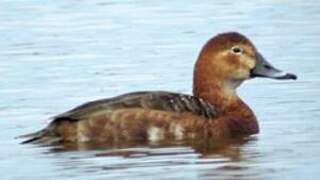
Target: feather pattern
<point x="103" y="120"/>
<point x="153" y="100"/>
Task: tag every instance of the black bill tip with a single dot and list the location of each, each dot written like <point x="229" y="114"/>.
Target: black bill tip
<point x="290" y="76"/>
<point x="285" y="76"/>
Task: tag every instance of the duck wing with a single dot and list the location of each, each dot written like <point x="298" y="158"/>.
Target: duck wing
<point x="97" y="112"/>
<point x="152" y="100"/>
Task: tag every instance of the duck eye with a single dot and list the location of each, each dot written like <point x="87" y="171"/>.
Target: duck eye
<point x="236" y="50"/>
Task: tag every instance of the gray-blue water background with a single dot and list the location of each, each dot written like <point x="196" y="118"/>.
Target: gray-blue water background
<point x="55" y="55"/>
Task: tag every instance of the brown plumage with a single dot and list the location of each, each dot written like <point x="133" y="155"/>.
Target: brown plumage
<point x="214" y="111"/>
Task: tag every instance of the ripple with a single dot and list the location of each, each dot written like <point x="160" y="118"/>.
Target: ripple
<point x="58" y="54"/>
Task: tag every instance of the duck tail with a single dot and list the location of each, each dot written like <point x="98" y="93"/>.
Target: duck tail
<point x="43" y="136"/>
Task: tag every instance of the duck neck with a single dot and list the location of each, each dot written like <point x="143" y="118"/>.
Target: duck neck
<point x="222" y="95"/>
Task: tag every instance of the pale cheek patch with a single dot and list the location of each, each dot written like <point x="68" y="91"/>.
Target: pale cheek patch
<point x="247" y="62"/>
<point x="251" y="64"/>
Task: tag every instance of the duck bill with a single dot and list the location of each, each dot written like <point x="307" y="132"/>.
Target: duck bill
<point x="264" y="69"/>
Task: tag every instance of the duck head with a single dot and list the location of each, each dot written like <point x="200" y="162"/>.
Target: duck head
<point x="226" y="61"/>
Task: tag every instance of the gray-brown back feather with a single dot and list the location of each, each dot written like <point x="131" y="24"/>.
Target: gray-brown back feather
<point x="154" y="100"/>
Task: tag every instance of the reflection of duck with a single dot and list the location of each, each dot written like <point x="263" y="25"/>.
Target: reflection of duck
<point x="214" y="111"/>
<point x="231" y="148"/>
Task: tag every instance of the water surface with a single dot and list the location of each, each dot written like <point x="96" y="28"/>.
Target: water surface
<point x="58" y="54"/>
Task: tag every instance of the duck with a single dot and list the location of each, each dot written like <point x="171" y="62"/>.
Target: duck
<point x="214" y="110"/>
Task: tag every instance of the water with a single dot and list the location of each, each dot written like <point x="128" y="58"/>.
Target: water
<point x="58" y="54"/>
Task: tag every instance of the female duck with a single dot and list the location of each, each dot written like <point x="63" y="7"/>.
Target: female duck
<point x="214" y="111"/>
